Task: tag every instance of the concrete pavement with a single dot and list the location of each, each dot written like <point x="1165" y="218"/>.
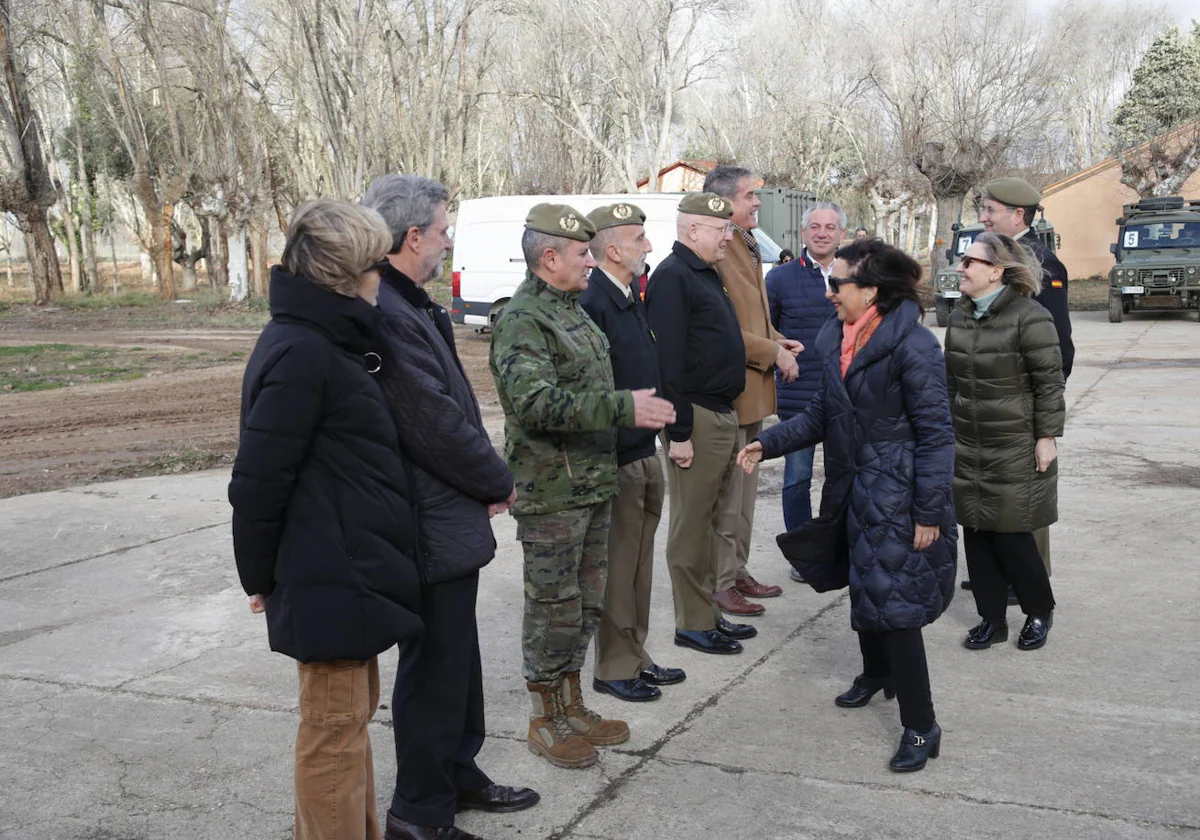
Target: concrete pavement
<point x="140" y="701"/>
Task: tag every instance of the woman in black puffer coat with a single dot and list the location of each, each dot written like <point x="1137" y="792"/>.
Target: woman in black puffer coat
<point x="323" y="522"/>
<point x="883" y="415"/>
<point x="1004" y="371"/>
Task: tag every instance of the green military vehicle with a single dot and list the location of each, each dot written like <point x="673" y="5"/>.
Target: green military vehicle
<point x="1158" y="257"/>
<point x="945" y="283"/>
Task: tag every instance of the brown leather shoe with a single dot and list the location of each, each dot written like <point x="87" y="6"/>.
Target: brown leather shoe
<point x="752" y="588"/>
<point x="398" y="829"/>
<point x="734" y="603"/>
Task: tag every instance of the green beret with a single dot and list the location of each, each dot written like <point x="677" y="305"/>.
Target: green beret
<point x="560" y="220"/>
<point x="706" y="204"/>
<point x="1015" y="192"/>
<point x="615" y="215"/>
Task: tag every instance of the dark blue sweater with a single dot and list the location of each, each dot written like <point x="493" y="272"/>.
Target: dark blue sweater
<point x="799" y="308"/>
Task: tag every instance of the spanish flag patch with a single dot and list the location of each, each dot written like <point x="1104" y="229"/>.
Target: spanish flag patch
<point x="1056" y="284"/>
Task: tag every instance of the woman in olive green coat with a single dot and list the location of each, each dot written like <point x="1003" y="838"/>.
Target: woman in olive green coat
<point x="1004" y="374"/>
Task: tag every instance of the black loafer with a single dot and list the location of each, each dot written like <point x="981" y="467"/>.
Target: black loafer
<point x="915" y="748"/>
<point x="1034" y="633"/>
<point x="965" y="584"/>
<point x="707" y="641"/>
<point x="497" y="799"/>
<point x="862" y="690"/>
<point x="985" y="634"/>
<point x="658" y="675"/>
<point x="636" y="690"/>
<point x="397" y="829"/>
<point x="736" y="631"/>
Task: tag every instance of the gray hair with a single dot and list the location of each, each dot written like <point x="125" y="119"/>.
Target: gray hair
<point x="724" y="180"/>
<point x="534" y="244"/>
<point x="405" y="202"/>
<point x="600" y="242"/>
<point x="825" y="205"/>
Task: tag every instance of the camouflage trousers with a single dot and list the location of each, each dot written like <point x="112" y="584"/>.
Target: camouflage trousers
<point x="566" y="564"/>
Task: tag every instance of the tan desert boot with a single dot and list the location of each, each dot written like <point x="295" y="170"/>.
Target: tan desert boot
<point x="550" y="736"/>
<point x="587" y="724"/>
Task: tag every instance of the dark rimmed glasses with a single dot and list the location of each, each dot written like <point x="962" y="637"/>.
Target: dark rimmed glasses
<point x="967" y="262"/>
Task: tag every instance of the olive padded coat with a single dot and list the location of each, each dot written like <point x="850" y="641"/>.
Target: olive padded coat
<point x="1004" y="375"/>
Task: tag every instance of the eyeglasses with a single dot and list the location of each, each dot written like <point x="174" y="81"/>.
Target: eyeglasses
<point x="725" y="228"/>
<point x="836" y="282"/>
<point x="967" y="262"/>
<point x="378" y="265"/>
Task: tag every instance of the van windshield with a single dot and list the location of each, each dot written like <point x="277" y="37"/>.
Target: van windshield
<point x="767" y="246"/>
<point x="1161" y="235"/>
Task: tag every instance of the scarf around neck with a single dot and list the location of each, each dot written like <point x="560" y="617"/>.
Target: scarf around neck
<point x="856" y="335"/>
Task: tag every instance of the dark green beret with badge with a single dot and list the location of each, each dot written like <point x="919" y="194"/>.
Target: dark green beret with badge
<point x="1015" y="192"/>
<point x="560" y="220"/>
<point x="706" y="204"/>
<point x="615" y="215"/>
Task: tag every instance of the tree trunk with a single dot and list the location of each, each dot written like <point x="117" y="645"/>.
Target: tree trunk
<point x="163" y="253"/>
<point x="112" y="250"/>
<point x="87" y="235"/>
<point x="40" y="255"/>
<point x="73" y="252"/>
<point x="258" y="251"/>
<point x="239" y="281"/>
<point x="216" y="259"/>
<point x="949" y="208"/>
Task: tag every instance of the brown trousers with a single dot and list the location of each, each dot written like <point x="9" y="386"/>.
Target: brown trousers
<point x="621" y="637"/>
<point x="335" y="774"/>
<point x="735" y="525"/>
<point x="698" y="496"/>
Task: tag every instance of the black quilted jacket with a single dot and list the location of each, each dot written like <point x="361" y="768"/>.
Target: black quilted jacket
<point x="456" y="472"/>
<point x="889" y="456"/>
<point x="322" y="515"/>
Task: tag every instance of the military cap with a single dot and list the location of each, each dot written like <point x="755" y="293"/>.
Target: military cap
<point x="615" y="215"/>
<point x="1015" y="192"/>
<point x="560" y="220"/>
<point x="706" y="204"/>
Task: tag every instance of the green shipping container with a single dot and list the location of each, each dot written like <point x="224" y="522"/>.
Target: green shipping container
<point x="781" y="213"/>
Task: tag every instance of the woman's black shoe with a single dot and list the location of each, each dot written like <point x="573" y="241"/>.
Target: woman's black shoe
<point x="915" y="748"/>
<point x="1034" y="633"/>
<point x="985" y="634"/>
<point x="862" y="690"/>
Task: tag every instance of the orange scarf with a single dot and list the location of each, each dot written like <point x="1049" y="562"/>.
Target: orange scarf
<point x="856" y="335"/>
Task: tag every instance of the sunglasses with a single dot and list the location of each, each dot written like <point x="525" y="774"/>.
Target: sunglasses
<point x="836" y="282"/>
<point x="378" y="265"/>
<point x="967" y="262"/>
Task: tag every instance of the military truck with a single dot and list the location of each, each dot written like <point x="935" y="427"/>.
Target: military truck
<point x="945" y="283"/>
<point x="1158" y="257"/>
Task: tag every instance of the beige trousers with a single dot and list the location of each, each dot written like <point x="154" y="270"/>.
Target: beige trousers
<point x="698" y="496"/>
<point x="621" y="637"/>
<point x="334" y="773"/>
<point x="736" y="522"/>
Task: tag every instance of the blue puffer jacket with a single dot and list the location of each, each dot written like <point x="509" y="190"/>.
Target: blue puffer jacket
<point x="889" y="454"/>
<point x="799" y="308"/>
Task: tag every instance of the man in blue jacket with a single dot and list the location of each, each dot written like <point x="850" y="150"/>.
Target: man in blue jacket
<point x="799" y="307"/>
<point x="460" y="482"/>
<point x="623" y="667"/>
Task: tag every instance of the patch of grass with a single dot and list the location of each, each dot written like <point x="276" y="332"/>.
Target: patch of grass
<point x="41" y="367"/>
<point x="123" y="300"/>
<point x="175" y="463"/>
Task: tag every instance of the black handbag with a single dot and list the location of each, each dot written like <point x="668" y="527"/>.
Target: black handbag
<point x="820" y="551"/>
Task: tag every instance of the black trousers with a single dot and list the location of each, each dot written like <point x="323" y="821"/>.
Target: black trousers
<point x="900" y="655"/>
<point x="996" y="561"/>
<point x="437" y="708"/>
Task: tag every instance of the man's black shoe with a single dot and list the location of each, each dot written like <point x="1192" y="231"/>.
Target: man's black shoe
<point x="707" y="641"/>
<point x="658" y="675"/>
<point x="636" y="690"/>
<point x="398" y="829"/>
<point x="497" y="799"/>
<point x="965" y="584"/>
<point x="736" y="631"/>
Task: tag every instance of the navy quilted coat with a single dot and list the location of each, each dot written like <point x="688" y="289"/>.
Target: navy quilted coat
<point x="455" y="471"/>
<point x="799" y="308"/>
<point x="889" y="456"/>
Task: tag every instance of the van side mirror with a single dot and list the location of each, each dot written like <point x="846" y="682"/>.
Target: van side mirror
<point x="1112" y="249"/>
<point x="949" y="256"/>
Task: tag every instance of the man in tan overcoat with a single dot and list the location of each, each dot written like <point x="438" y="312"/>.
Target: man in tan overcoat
<point x="766" y="351"/>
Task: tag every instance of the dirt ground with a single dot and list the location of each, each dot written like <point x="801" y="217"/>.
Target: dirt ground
<point x="173" y="422"/>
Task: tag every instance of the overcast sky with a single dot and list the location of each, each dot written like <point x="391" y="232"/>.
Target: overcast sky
<point x="1184" y="10"/>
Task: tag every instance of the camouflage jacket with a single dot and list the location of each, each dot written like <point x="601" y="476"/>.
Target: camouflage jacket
<point x="555" y="383"/>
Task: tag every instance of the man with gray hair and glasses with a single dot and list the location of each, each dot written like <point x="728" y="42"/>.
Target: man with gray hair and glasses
<point x="799" y="308"/>
<point x="460" y="482"/>
<point x="767" y="351"/>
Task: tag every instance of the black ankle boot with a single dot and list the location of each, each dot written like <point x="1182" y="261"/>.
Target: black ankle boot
<point x="915" y="749"/>
<point x="862" y="690"/>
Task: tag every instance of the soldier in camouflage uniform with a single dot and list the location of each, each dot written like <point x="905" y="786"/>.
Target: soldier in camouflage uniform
<point x="554" y="379"/>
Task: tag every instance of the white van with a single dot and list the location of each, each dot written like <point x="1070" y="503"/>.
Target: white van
<point x="487" y="264"/>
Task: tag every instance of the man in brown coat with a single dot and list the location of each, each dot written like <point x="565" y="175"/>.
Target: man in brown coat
<point x="766" y="350"/>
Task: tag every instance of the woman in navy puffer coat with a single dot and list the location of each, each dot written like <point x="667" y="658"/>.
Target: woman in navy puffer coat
<point x="884" y="417"/>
